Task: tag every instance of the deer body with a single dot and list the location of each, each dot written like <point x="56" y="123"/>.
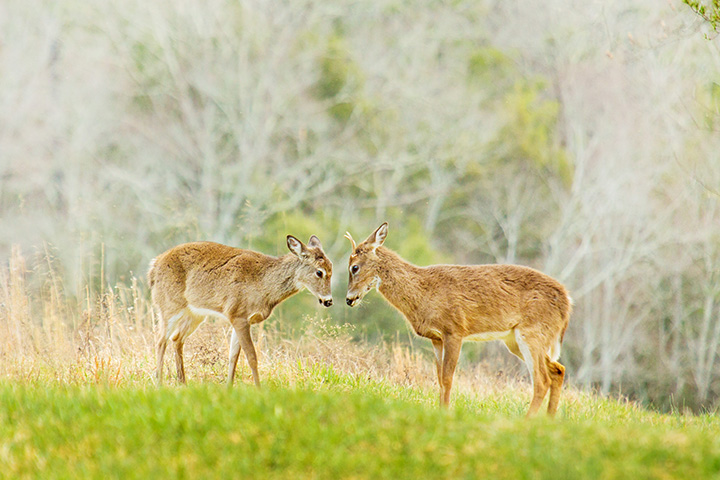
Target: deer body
<point x="195" y="280"/>
<point x="526" y="309"/>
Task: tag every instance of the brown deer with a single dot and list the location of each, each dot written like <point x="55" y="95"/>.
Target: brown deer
<point x="192" y="281"/>
<point x="524" y="308"/>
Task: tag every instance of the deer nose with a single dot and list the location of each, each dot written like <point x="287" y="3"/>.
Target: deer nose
<point x="350" y="301"/>
<point x="327" y="303"/>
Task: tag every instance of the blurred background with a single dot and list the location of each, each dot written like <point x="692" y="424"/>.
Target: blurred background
<point x="578" y="137"/>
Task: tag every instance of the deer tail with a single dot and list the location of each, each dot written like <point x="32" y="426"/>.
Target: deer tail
<point x="151" y="273"/>
<point x="555" y="348"/>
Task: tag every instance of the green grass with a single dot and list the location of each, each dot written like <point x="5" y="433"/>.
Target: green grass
<point x="321" y="424"/>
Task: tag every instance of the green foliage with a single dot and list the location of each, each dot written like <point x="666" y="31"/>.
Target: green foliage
<point x="334" y="66"/>
<point x="142" y="57"/>
<point x="708" y="97"/>
<point x="708" y="10"/>
<point x="530" y="133"/>
<point x="340" y="79"/>
<point x="341" y="83"/>
<point x="342" y="111"/>
<point x="409" y="239"/>
<point x="532" y="115"/>
<point x="489" y="66"/>
<point x="373" y="431"/>
<point x="297" y="223"/>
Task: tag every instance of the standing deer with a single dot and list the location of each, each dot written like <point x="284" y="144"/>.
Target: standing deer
<point x="192" y="281"/>
<point x="524" y="308"/>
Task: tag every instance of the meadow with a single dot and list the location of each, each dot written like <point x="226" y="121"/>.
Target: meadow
<point x="336" y="426"/>
<point x="78" y="401"/>
<point x="577" y="137"/>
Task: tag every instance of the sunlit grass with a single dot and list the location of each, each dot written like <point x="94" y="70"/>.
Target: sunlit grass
<point x="331" y="425"/>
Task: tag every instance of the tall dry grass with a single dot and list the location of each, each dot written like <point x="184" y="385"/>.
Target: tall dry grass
<point x="106" y="336"/>
<point x="47" y="334"/>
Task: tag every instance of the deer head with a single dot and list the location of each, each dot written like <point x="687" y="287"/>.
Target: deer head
<point x="316" y="269"/>
<point x="364" y="264"/>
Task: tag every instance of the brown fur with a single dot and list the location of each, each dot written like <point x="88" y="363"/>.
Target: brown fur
<point x="523" y="307"/>
<point x="241" y="286"/>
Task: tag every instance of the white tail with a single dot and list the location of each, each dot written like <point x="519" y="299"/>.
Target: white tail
<point x="524" y="308"/>
<point x="192" y="281"/>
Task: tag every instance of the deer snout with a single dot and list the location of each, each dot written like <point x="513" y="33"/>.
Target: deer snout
<point x="351" y="301"/>
<point x="325" y="301"/>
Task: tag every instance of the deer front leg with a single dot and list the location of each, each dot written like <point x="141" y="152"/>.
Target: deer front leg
<point x="451" y="353"/>
<point x="438" y="347"/>
<point x="247" y="345"/>
<point x="233" y="357"/>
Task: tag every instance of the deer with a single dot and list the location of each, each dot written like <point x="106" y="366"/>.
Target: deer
<point x="193" y="281"/>
<point x="526" y="309"/>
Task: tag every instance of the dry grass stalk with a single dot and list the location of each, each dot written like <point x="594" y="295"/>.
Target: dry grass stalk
<point x="107" y="338"/>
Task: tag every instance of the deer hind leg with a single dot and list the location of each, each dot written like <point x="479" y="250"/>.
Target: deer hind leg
<point x="513" y="346"/>
<point x="160" y="350"/>
<point x="161" y="345"/>
<point x="164" y="337"/>
<point x="179" y="344"/>
<point x="184" y="324"/>
<point x="557" y="376"/>
<point x="535" y="359"/>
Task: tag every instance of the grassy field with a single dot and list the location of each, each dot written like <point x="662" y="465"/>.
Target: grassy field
<point x="77" y="401"/>
<point x="329" y="425"/>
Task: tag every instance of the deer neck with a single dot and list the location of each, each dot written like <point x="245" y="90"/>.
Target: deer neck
<point x="280" y="279"/>
<point x="399" y="282"/>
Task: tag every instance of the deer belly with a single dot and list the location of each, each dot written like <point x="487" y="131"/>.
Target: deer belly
<point x="487" y="336"/>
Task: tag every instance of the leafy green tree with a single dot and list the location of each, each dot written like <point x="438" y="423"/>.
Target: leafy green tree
<point x="709" y="10"/>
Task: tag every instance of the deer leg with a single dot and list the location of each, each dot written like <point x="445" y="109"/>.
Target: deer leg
<point x="247" y="345"/>
<point x="451" y="353"/>
<point x="179" y="344"/>
<point x="514" y="348"/>
<point x="535" y="361"/>
<point x="555" y="370"/>
<point x="161" y="345"/>
<point x="557" y="376"/>
<point x="541" y="384"/>
<point x="234" y="354"/>
<point x="438" y="346"/>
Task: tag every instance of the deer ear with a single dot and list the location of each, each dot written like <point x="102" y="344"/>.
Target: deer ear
<point x="295" y="246"/>
<point x="377" y="238"/>
<point x="314" y="242"/>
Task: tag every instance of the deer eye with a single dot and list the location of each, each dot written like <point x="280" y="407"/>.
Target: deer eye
<point x="354" y="269"/>
<point x="319" y="273"/>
